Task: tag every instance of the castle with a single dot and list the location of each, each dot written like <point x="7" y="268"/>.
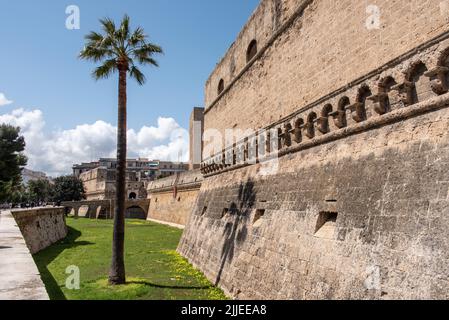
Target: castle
<point x="341" y="191"/>
<point x="99" y="177"/>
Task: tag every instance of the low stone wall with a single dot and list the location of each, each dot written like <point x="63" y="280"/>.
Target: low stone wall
<point x="19" y="275"/>
<point x="173" y="198"/>
<point x="41" y="227"/>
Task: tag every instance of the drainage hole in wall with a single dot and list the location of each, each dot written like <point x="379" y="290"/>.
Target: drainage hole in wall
<point x="326" y="225"/>
<point x="258" y="217"/>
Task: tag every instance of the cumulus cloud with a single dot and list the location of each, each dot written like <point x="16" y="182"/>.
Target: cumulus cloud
<point x="3" y="100"/>
<point x="56" y="152"/>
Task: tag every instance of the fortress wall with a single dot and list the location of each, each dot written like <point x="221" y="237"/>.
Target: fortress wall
<point x="354" y="201"/>
<point x="41" y="227"/>
<point x="390" y="189"/>
<point x="173" y="198"/>
<point x="326" y="47"/>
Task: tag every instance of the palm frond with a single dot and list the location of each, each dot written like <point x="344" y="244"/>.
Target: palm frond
<point x="152" y="48"/>
<point x="95" y="53"/>
<point x="136" y="74"/>
<point x="105" y="70"/>
<point x="118" y="46"/>
<point x="123" y="32"/>
<point x="137" y="37"/>
<point x="146" y="60"/>
<point x="108" y="26"/>
<point x="94" y="37"/>
<point x="144" y="53"/>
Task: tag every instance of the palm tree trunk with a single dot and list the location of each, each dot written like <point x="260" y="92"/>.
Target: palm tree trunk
<point x="117" y="272"/>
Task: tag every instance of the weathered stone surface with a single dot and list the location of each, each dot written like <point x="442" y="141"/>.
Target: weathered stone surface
<point x="389" y="240"/>
<point x="327" y="46"/>
<point x="354" y="206"/>
<point x="19" y="276"/>
<point x="41" y="227"/>
<point x="172" y="199"/>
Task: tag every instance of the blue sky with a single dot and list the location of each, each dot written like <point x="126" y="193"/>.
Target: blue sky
<point x="39" y="69"/>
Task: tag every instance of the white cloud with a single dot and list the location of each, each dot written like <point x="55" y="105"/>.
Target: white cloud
<point x="3" y="100"/>
<point x="56" y="152"/>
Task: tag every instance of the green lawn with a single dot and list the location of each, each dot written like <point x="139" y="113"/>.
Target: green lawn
<point x="154" y="269"/>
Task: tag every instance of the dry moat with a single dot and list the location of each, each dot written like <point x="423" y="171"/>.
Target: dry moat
<point x="154" y="269"/>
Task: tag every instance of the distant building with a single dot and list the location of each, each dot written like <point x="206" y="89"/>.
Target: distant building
<point x="99" y="176"/>
<point x="167" y="169"/>
<point x="99" y="184"/>
<point x="30" y="175"/>
<point x="145" y="170"/>
<point x="78" y="169"/>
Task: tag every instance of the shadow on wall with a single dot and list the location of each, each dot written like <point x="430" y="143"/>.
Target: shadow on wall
<point x="235" y="231"/>
<point x="44" y="258"/>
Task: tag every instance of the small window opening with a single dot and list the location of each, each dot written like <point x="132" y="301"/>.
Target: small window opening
<point x="220" y="86"/>
<point x="326" y="225"/>
<point x="258" y="217"/>
<point x="252" y="51"/>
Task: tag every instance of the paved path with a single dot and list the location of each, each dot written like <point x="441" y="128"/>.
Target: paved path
<point x="19" y="276"/>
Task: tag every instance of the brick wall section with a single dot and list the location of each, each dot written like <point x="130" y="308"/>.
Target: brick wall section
<point x="390" y="188"/>
<point x="174" y="205"/>
<point x="355" y="209"/>
<point x="41" y="227"/>
<point x="325" y="48"/>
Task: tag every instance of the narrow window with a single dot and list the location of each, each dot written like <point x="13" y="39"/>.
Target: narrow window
<point x="220" y="86"/>
<point x="251" y="51"/>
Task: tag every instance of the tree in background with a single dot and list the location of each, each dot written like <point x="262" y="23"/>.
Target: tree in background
<point x="40" y="190"/>
<point x="119" y="49"/>
<point x="68" y="188"/>
<point x="12" y="160"/>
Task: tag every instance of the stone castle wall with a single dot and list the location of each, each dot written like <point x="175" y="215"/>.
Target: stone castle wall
<point x="172" y="199"/>
<point x="389" y="191"/>
<point x="41" y="227"/>
<point x="350" y="200"/>
<point x="324" y="46"/>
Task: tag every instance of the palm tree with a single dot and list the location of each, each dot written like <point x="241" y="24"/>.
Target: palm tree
<point x="119" y="50"/>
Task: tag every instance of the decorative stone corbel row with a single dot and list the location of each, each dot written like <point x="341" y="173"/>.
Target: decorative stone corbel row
<point x="414" y="86"/>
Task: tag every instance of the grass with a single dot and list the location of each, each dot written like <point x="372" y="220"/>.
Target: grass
<point x="155" y="271"/>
